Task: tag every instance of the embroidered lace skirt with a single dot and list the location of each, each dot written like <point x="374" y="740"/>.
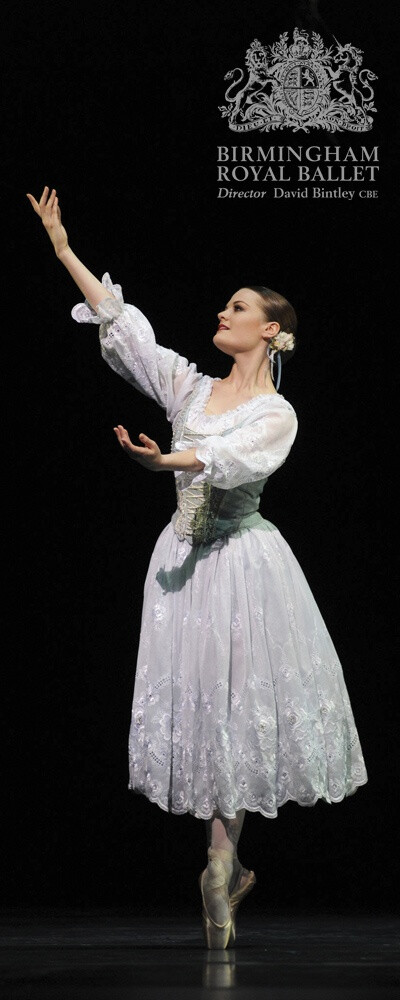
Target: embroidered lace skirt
<point x="239" y="698"/>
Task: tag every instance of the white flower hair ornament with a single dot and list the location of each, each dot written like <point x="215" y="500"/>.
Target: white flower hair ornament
<point x="281" y="342"/>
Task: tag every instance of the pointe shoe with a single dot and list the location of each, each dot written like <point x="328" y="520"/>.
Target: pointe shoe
<point x="238" y="892"/>
<point x="216" y="934"/>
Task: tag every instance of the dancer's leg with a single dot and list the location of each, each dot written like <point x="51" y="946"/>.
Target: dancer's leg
<point x="223" y="834"/>
<point x="222" y="838"/>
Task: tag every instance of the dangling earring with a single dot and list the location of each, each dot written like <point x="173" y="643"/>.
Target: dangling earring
<point x="271" y="355"/>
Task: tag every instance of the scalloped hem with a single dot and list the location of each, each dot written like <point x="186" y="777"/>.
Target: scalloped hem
<point x="254" y="809"/>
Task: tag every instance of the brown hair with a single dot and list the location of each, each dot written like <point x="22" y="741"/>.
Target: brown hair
<point x="277" y="309"/>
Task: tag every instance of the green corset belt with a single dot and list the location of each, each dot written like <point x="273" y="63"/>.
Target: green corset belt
<point x="206" y="513"/>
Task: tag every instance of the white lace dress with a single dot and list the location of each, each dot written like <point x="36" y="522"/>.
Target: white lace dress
<point x="239" y="697"/>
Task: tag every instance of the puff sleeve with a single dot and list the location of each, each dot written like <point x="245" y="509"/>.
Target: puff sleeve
<point x="250" y="452"/>
<point x="129" y="347"/>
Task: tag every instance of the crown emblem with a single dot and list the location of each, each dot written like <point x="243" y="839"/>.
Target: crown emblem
<point x="302" y="85"/>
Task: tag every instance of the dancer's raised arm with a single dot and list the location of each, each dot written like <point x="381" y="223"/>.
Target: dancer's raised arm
<point x="127" y="339"/>
<point x="49" y="211"/>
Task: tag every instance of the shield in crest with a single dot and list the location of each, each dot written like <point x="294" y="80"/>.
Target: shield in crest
<point x="300" y="88"/>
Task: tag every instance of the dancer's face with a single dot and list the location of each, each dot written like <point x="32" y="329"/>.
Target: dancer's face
<point x="242" y="324"/>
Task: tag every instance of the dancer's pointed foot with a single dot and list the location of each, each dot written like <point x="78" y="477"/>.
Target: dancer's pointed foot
<point x="245" y="882"/>
<point x="214" y="882"/>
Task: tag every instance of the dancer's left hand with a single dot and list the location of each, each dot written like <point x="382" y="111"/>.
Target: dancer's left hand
<point x="148" y="455"/>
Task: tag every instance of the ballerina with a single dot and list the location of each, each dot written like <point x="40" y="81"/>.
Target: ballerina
<point x="239" y="699"/>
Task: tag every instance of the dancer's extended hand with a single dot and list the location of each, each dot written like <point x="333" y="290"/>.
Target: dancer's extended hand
<point x="149" y="455"/>
<point x="50" y="214"/>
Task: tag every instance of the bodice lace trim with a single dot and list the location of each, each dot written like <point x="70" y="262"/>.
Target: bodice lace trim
<point x="222" y="421"/>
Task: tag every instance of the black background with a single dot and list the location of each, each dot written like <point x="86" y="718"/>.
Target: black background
<point x="117" y="107"/>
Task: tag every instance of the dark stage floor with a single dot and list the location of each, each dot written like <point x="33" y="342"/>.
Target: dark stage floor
<point x="80" y="955"/>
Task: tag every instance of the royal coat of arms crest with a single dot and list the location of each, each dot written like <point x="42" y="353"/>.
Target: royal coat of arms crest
<point x="300" y="86"/>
